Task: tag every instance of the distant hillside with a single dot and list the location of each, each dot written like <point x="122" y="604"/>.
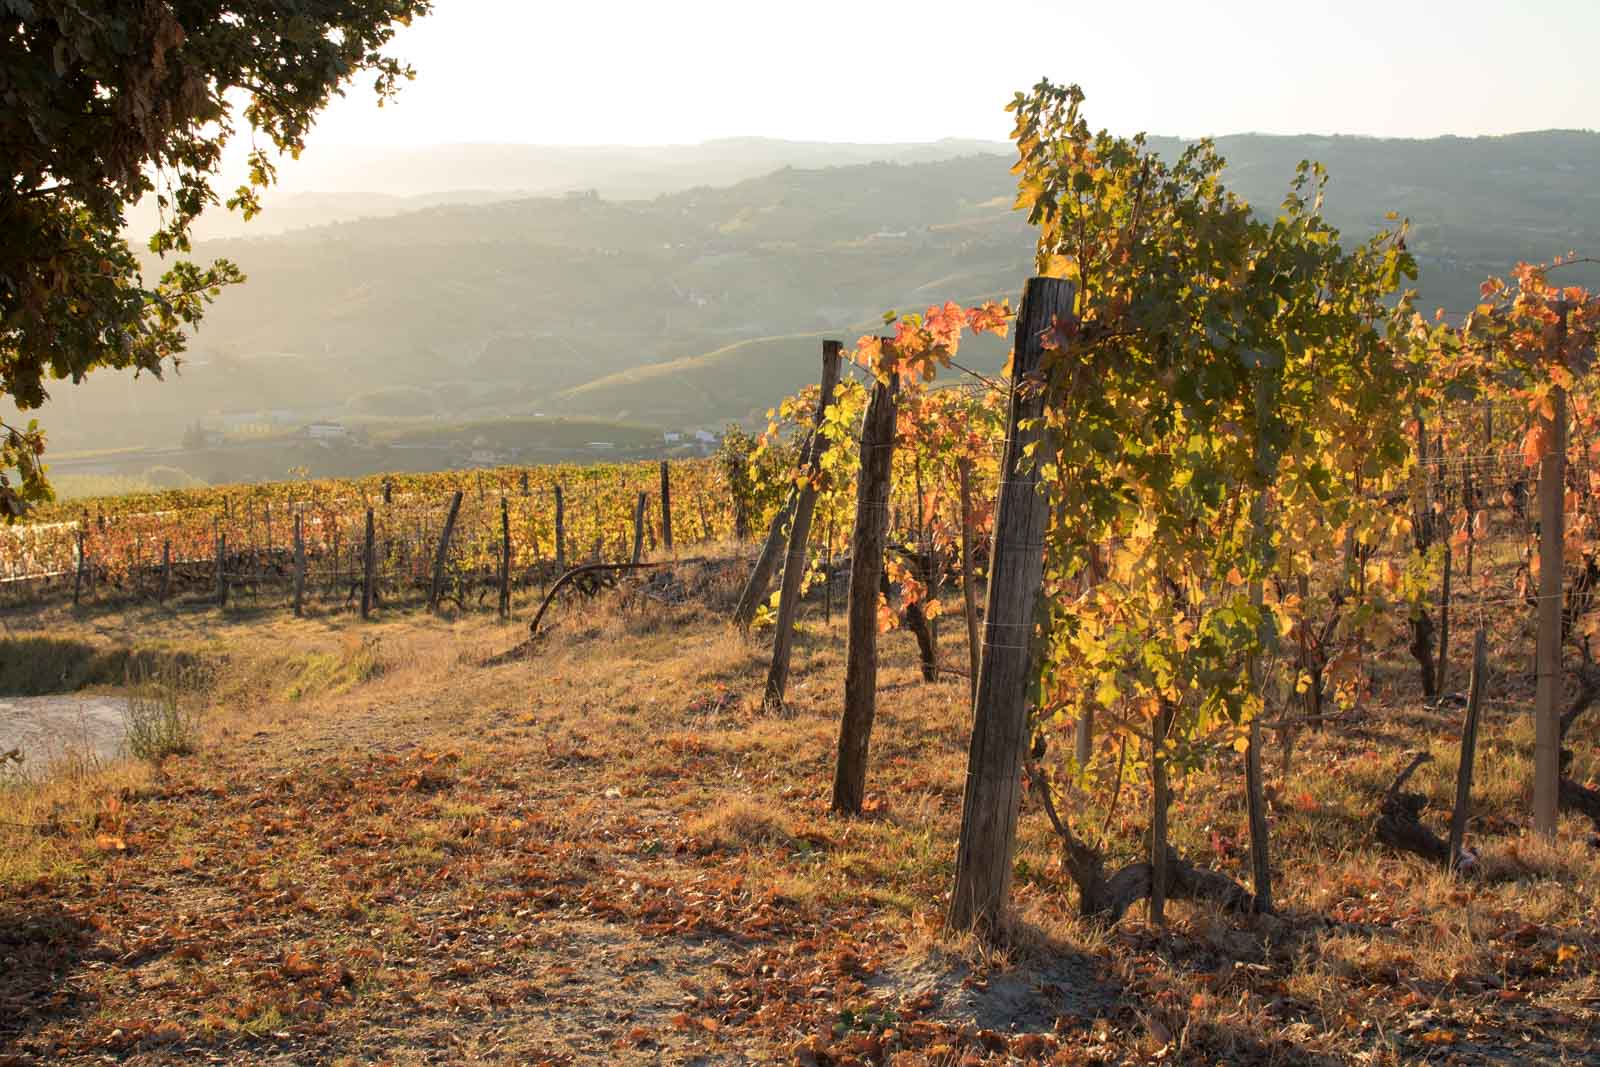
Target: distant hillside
<point x="704" y="305"/>
<point x="739" y="381"/>
<point x="353" y="182"/>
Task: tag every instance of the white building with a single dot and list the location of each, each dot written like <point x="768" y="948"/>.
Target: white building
<point x="327" y="431"/>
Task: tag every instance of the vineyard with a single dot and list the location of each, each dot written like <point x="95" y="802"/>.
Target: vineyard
<point x="262" y="542"/>
<point x="1240" y="543"/>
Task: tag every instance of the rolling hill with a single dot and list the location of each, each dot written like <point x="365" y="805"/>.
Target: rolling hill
<point x="704" y="305"/>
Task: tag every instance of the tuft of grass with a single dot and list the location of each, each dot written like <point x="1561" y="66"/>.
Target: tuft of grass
<point x="161" y="719"/>
<point x="331" y="673"/>
<point x="740" y="824"/>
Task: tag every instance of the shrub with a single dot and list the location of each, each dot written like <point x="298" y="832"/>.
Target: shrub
<point x="161" y="718"/>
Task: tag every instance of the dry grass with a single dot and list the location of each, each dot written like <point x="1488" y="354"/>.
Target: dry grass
<point x="427" y="858"/>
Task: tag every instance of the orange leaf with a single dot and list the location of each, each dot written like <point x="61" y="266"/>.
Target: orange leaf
<point x="1536" y="444"/>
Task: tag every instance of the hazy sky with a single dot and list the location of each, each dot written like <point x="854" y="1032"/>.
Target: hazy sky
<point x="884" y="70"/>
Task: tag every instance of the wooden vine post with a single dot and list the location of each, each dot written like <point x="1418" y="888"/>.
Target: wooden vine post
<point x="222" y="571"/>
<point x="1469" y="747"/>
<point x="1444" y="615"/>
<point x="299" y="563"/>
<point x="1016" y="570"/>
<point x="1552" y="532"/>
<point x="77" y="574"/>
<point x="1254" y="784"/>
<point x="638" y="525"/>
<point x="1161" y="803"/>
<point x="561" y="531"/>
<point x="368" y="566"/>
<point x="442" y="553"/>
<point x="505" y="559"/>
<point x="969" y="594"/>
<point x="666" y="506"/>
<point x="794" y="567"/>
<point x="861" y="612"/>
<point x="166" y="571"/>
<point x="755" y="588"/>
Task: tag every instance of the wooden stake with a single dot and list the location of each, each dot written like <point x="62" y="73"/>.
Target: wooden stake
<point x="666" y="507"/>
<point x="222" y="571"/>
<point x="561" y="532"/>
<point x="1000" y="720"/>
<point x="1552" y="532"/>
<point x="969" y="594"/>
<point x="368" y="566"/>
<point x="1444" y="619"/>
<point x="299" y="563"/>
<point x="166" y="571"/>
<point x="505" y="559"/>
<point x="1469" y="746"/>
<point x="442" y="553"/>
<point x="77" y="577"/>
<point x="866" y="571"/>
<point x="755" y="588"/>
<point x="794" y="567"/>
<point x="1254" y="784"/>
<point x="638" y="525"/>
<point x="1161" y="801"/>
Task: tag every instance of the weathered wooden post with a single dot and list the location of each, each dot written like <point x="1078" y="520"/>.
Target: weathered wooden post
<point x="166" y="571"/>
<point x="368" y="562"/>
<point x="755" y="588"/>
<point x="1443" y="666"/>
<point x="794" y="567"/>
<point x="861" y="612"/>
<point x="1255" y="795"/>
<point x="666" y="507"/>
<point x="1552" y="534"/>
<point x="524" y="483"/>
<point x="388" y="490"/>
<point x="442" y="553"/>
<point x="561" y="532"/>
<point x="1160" y="804"/>
<point x="299" y="563"/>
<point x="222" y="569"/>
<point x="1469" y="747"/>
<point x="77" y="574"/>
<point x="1000" y="720"/>
<point x="505" y="559"/>
<point x="969" y="594"/>
<point x="638" y="525"/>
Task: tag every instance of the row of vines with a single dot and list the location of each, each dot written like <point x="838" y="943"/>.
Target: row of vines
<point x="1269" y="487"/>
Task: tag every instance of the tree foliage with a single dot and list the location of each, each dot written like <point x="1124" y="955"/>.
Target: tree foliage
<point x="106" y="101"/>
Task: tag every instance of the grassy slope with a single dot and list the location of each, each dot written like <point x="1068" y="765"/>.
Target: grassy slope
<point x="742" y="379"/>
<point x="605" y="853"/>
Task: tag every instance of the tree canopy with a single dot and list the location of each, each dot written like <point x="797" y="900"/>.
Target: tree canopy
<point x="107" y="101"/>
